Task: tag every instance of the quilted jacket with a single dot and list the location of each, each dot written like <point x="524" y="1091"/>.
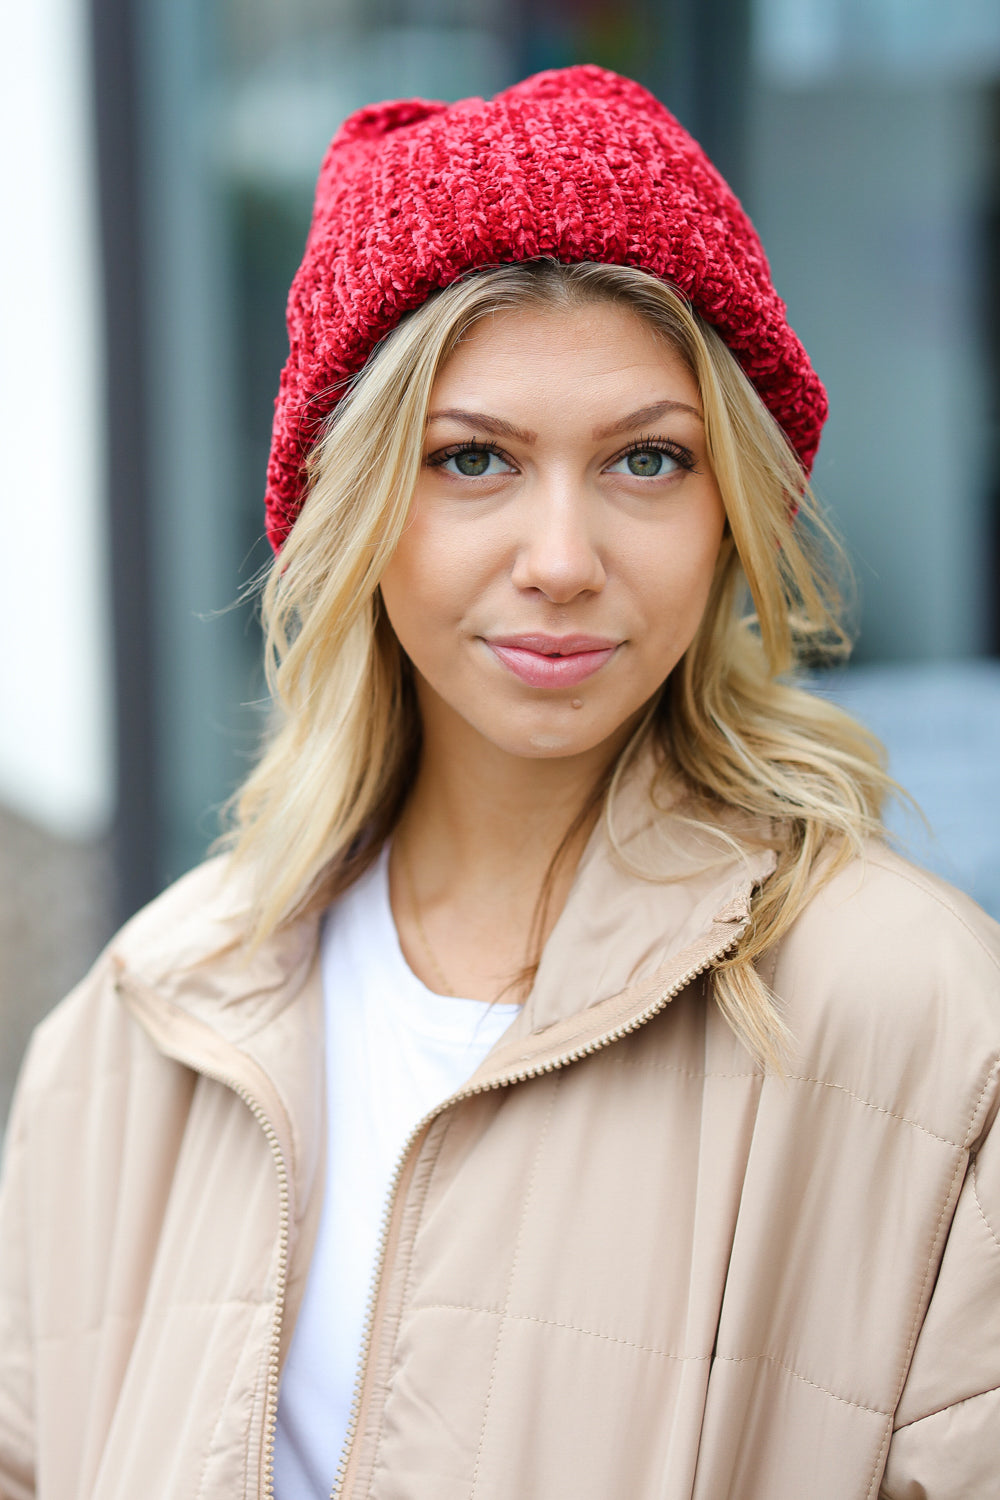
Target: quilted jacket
<point x="624" y="1260"/>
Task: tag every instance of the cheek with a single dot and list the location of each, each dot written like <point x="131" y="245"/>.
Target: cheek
<point x="402" y="601"/>
<point x="423" y="589"/>
<point x="676" y="584"/>
<point x="438" y="572"/>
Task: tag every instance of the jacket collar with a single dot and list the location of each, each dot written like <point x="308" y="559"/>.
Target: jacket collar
<point x="653" y="880"/>
<point x="254" y="1022"/>
<point x="654" y="891"/>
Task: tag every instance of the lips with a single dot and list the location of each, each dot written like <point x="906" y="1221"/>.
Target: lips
<point x="548" y="661"/>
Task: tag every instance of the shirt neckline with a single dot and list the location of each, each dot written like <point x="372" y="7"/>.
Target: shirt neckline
<point x="440" y="1012"/>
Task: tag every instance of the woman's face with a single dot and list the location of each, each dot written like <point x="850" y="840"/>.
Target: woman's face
<point x="563" y="534"/>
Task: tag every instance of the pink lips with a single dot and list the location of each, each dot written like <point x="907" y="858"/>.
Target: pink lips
<point x="550" y="661"/>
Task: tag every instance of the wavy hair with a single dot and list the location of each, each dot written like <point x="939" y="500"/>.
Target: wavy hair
<point x="344" y="742"/>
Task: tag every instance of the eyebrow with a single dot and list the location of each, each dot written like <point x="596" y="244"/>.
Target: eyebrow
<point x="482" y="422"/>
<point x="646" y="414"/>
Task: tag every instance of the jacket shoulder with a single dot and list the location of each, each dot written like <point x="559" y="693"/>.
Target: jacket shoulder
<point x="890" y="983"/>
<point x="196" y="916"/>
<point x="882" y="899"/>
<point x="203" y="913"/>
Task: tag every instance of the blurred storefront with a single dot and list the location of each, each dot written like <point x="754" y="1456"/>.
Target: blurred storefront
<point x="163" y="182"/>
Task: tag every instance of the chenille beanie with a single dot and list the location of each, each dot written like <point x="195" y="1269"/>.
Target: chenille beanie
<point x="577" y="164"/>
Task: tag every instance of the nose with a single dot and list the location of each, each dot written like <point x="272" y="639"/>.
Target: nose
<point x="559" y="553"/>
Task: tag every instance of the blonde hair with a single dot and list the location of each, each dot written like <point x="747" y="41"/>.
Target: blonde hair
<point x="343" y="748"/>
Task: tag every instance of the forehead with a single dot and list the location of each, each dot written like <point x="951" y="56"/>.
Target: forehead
<point x="590" y="350"/>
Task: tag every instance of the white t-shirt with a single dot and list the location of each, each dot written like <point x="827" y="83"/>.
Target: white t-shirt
<point x="394" y="1050"/>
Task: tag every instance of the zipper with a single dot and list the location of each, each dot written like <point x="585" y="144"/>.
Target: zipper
<point x="549" y="1065"/>
<point x="274" y="1346"/>
<point x="284" y="1227"/>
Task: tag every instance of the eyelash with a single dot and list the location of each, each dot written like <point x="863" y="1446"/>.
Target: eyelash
<point x="471" y="445"/>
<point x="681" y="456"/>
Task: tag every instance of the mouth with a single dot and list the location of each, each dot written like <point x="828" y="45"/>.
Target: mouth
<point x="552" y="661"/>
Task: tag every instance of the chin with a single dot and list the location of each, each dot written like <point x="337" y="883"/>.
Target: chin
<point x="551" y="737"/>
<point x="546" y="744"/>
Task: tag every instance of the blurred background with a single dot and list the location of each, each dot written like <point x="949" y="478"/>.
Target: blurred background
<point x="159" y="157"/>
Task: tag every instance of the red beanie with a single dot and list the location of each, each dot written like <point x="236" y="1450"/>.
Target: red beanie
<point x="577" y="164"/>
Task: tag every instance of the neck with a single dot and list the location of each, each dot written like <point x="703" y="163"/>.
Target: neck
<point x="493" y="818"/>
<point x="473" y="854"/>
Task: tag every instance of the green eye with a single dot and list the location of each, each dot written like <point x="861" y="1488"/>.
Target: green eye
<point x="652" y="461"/>
<point x="473" y="462"/>
<point x="645" y="463"/>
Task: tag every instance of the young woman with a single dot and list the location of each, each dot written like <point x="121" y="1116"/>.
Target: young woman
<point x="557" y="1002"/>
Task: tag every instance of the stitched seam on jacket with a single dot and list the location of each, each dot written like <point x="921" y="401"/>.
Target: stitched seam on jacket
<point x="876" y="1479"/>
<point x="933" y="895"/>
<point x="446" y="1124"/>
<point x="840" y="1088"/>
<point x="982" y="1212"/>
<point x="224" y="1406"/>
<point x="591" y="1333"/>
<point x="772" y="1359"/>
<point x="969" y="1137"/>
<point x="622" y="1061"/>
<point x="950" y="1406"/>
<point x="880" y="1109"/>
<point x="529" y="1194"/>
<point x="406" y="1282"/>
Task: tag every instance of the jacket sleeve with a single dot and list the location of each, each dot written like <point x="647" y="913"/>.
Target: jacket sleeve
<point x="17" y="1417"/>
<point x="946" y="1442"/>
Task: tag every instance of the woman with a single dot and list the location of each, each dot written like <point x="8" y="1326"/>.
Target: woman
<point x="556" y="919"/>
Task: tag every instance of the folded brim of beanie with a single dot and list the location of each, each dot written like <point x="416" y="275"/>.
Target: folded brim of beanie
<point x="577" y="164"/>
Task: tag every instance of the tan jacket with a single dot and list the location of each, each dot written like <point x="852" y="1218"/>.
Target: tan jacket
<point x="623" y="1262"/>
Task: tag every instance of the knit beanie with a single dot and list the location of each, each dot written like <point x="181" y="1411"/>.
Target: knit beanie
<point x="576" y="164"/>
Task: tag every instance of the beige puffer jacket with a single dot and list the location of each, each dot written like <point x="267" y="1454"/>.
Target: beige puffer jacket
<point x="623" y="1262"/>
